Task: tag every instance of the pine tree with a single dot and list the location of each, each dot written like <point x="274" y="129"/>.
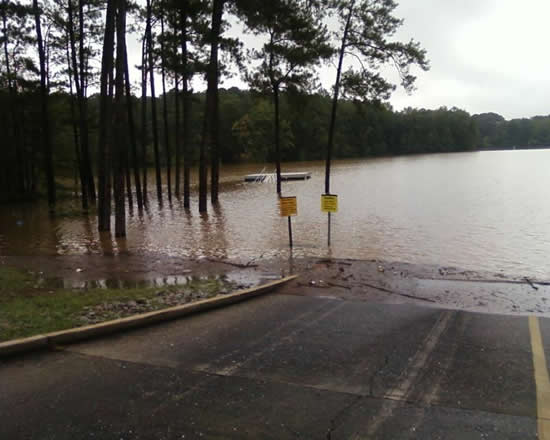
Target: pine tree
<point x="366" y="31"/>
<point x="105" y="115"/>
<point x="151" y="65"/>
<point x="44" y="103"/>
<point x="120" y="151"/>
<point x="210" y="135"/>
<point x="297" y="42"/>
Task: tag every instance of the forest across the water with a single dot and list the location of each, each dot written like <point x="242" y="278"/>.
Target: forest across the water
<point x="364" y="129"/>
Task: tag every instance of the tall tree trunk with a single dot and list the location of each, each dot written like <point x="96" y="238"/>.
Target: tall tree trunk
<point x="165" y="113"/>
<point x="214" y="111"/>
<point x="80" y="84"/>
<point x="105" y="111"/>
<point x="81" y="173"/>
<point x="203" y="170"/>
<point x="210" y="129"/>
<point x="13" y="104"/>
<point x="74" y="74"/>
<point x="127" y="175"/>
<point x="186" y="154"/>
<point x="335" y="100"/>
<point x="153" y="102"/>
<point x="45" y="123"/>
<point x="132" y="130"/>
<point x="120" y="151"/>
<point x="144" y="114"/>
<point x="83" y="108"/>
<point x="178" y="136"/>
<point x="33" y="163"/>
<point x="277" y="138"/>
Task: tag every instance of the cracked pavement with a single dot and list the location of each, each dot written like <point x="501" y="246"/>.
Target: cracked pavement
<point x="284" y="367"/>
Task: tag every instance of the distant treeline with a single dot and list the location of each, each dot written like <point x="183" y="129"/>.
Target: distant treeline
<point x="363" y="130"/>
<point x="494" y="132"/>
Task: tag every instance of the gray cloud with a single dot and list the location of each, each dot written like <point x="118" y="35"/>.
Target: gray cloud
<point x="485" y="55"/>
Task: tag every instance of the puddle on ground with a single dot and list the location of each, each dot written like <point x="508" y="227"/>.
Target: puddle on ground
<point x="240" y="279"/>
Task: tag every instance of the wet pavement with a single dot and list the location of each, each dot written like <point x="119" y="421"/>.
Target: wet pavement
<point x="286" y="367"/>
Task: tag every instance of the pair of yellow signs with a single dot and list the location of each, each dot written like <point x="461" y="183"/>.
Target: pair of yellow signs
<point x="288" y="206"/>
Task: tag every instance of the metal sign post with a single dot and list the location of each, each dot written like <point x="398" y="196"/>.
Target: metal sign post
<point x="288" y="207"/>
<point x="328" y="229"/>
<point x="290" y="230"/>
<point x="329" y="204"/>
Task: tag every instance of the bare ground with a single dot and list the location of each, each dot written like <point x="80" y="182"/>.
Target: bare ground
<point x="358" y="280"/>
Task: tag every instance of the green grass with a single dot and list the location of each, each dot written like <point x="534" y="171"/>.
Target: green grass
<point x="12" y="280"/>
<point x="26" y="310"/>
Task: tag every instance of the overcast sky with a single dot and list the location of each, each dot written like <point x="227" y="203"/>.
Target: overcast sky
<point x="485" y="55"/>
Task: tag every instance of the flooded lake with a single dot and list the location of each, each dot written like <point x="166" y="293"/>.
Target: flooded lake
<point x="482" y="210"/>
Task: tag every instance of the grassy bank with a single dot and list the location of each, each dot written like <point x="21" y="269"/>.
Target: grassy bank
<point x="28" y="308"/>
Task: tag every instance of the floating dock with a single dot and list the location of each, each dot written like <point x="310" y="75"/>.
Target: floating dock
<point x="262" y="177"/>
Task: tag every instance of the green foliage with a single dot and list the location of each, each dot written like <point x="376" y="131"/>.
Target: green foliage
<point x="364" y="128"/>
<point x="254" y="133"/>
<point x="495" y="132"/>
<point x="366" y="33"/>
<point x="296" y="43"/>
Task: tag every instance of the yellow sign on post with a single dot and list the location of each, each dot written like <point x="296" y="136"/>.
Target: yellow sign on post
<point x="288" y="206"/>
<point x="329" y="203"/>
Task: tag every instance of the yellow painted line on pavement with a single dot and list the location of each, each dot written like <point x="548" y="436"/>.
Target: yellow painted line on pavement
<point x="541" y="379"/>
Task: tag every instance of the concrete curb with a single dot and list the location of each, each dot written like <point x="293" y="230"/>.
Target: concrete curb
<point x="44" y="341"/>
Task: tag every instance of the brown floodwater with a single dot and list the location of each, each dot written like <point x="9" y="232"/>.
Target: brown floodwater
<point x="482" y="211"/>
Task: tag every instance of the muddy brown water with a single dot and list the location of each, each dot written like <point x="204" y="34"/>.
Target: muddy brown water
<point x="484" y="210"/>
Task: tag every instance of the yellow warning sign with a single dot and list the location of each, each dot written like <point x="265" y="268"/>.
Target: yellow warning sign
<point x="288" y="206"/>
<point x="329" y="203"/>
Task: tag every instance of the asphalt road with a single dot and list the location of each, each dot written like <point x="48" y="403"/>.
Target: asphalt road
<point x="290" y="367"/>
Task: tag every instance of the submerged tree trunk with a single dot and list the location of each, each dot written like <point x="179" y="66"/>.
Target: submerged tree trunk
<point x="165" y="114"/>
<point x="132" y="131"/>
<point x="78" y="162"/>
<point x="120" y="155"/>
<point x="203" y="170"/>
<point x="277" y="138"/>
<point x="73" y="74"/>
<point x="45" y="123"/>
<point x="177" y="166"/>
<point x="213" y="84"/>
<point x="128" y="177"/>
<point x="83" y="108"/>
<point x="153" y="103"/>
<point x="186" y="154"/>
<point x="210" y="129"/>
<point x="105" y="110"/>
<point x="76" y="139"/>
<point x="144" y="115"/>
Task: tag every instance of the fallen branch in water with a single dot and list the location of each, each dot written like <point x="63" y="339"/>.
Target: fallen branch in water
<point x="329" y="261"/>
<point x="341" y="286"/>
<point x="241" y="265"/>
<point x="372" y="286"/>
<point x="327" y="285"/>
<point x="530" y="283"/>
